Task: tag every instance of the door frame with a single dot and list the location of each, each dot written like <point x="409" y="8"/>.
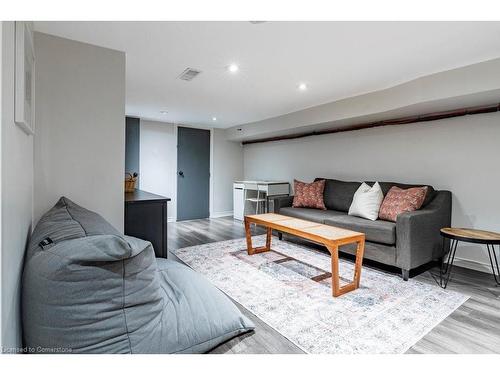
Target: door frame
<point x="211" y="178"/>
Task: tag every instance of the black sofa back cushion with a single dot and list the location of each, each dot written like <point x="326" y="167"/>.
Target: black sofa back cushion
<point x="338" y="194"/>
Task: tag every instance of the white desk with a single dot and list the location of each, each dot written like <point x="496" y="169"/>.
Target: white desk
<point x="270" y="188"/>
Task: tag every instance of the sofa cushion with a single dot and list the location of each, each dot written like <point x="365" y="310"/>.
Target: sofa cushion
<point x="398" y="201"/>
<point x="318" y="216"/>
<point x="386" y="186"/>
<point x="95" y="292"/>
<point x="376" y="231"/>
<point x="366" y="201"/>
<point x="338" y="194"/>
<point x="309" y="195"/>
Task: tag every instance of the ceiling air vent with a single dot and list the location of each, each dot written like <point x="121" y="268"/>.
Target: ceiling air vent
<point x="189" y="74"/>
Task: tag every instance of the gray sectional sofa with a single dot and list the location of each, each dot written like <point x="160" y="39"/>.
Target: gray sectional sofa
<point x="413" y="240"/>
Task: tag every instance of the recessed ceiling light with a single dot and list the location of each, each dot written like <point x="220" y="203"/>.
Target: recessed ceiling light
<point x="302" y="87"/>
<point x="214" y="118"/>
<point x="163" y="112"/>
<point x="233" y="68"/>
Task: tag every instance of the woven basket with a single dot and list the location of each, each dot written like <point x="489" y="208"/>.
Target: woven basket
<point x="130" y="183"/>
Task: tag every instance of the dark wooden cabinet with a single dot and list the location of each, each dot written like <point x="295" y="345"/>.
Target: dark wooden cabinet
<point x="146" y="218"/>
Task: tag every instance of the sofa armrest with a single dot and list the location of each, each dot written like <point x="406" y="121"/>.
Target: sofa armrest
<point x="418" y="238"/>
<point x="282" y="202"/>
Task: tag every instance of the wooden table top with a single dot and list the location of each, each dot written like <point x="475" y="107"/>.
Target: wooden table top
<point x="471" y="235"/>
<point x="299" y="226"/>
<point x="143" y="196"/>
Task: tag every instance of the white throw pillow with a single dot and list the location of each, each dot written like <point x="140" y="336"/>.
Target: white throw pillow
<point x="366" y="201"/>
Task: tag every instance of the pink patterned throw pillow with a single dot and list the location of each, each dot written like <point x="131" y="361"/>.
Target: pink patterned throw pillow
<point x="309" y="195"/>
<point x="399" y="200"/>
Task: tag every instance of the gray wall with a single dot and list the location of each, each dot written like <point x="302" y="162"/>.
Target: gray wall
<point x="80" y="142"/>
<point x="460" y="154"/>
<point x="17" y="196"/>
<point x="132" y="144"/>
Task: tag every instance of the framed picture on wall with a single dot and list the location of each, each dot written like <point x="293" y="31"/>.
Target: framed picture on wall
<point x="25" y="77"/>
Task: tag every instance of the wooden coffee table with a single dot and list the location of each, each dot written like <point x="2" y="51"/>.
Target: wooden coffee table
<point x="326" y="235"/>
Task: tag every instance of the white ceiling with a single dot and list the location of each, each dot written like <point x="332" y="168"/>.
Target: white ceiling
<point x="335" y="59"/>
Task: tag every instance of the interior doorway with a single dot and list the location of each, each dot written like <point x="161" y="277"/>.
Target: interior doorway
<point x="193" y="173"/>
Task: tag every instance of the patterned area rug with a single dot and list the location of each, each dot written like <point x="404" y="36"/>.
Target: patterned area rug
<point x="289" y="288"/>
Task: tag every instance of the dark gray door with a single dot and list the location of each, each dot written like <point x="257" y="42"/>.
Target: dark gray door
<point x="193" y="173"/>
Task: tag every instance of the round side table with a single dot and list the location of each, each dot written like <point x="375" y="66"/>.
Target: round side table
<point x="490" y="239"/>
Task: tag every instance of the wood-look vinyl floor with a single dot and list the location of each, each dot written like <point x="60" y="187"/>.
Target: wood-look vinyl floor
<point x="473" y="328"/>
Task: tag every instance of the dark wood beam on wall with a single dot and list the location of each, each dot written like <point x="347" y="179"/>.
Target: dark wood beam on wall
<point x="397" y="121"/>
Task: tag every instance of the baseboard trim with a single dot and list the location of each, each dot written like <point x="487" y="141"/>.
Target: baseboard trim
<point x="472" y="264"/>
<point x="171" y="219"/>
<point x="221" y="214"/>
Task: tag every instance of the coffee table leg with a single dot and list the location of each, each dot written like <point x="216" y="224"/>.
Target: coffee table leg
<point x="248" y="236"/>
<point x="255" y="250"/>
<point x="337" y="290"/>
<point x="360" y="252"/>
<point x="269" y="235"/>
<point x="334" y="252"/>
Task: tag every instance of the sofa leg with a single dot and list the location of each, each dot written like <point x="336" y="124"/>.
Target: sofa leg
<point x="280" y="236"/>
<point x="405" y="274"/>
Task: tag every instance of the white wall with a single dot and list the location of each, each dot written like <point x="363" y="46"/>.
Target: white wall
<point x="17" y="196"/>
<point x="460" y="154"/>
<point x="227" y="167"/>
<point x="158" y="161"/>
<point x="80" y="140"/>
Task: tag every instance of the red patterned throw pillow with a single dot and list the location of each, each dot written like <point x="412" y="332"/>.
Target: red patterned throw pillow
<point x="399" y="200"/>
<point x="309" y="195"/>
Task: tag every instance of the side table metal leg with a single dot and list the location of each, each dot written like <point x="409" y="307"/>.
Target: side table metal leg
<point x="494" y="262"/>
<point x="445" y="271"/>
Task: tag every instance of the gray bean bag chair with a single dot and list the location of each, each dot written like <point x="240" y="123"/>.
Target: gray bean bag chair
<point x="89" y="289"/>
